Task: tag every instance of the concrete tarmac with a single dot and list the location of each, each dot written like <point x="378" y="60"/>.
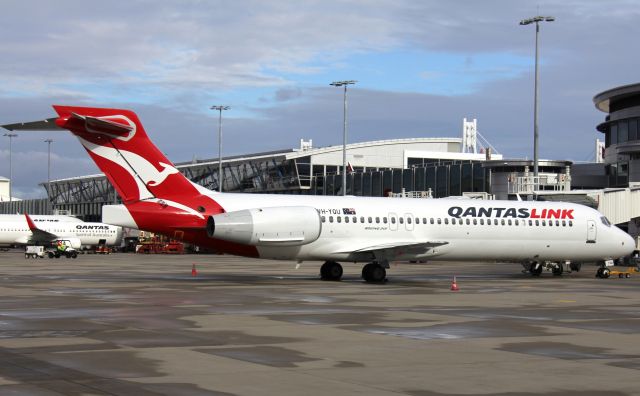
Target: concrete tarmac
<point x="127" y="324"/>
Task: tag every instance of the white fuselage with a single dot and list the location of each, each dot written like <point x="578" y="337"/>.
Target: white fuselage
<point x="14" y="230"/>
<point x="502" y="230"/>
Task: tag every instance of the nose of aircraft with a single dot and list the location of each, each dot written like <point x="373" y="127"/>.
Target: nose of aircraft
<point x="628" y="243"/>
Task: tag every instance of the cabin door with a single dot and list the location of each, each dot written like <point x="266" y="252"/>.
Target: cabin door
<point x="591" y="231"/>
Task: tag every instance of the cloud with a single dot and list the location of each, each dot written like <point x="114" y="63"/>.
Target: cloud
<point x="421" y="67"/>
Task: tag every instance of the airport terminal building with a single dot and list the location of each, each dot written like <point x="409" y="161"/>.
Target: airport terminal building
<point x="376" y="168"/>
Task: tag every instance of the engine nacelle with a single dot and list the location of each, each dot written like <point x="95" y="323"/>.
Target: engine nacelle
<point x="277" y="226"/>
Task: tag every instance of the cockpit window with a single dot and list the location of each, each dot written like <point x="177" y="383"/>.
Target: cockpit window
<point x="605" y="221"/>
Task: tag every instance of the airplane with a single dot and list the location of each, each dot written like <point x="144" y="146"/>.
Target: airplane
<point x="46" y="230"/>
<point x="373" y="230"/>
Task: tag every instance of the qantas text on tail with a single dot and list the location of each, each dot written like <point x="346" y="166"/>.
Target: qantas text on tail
<point x="157" y="197"/>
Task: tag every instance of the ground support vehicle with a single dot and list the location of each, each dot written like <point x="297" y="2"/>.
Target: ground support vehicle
<point x="34" y="252"/>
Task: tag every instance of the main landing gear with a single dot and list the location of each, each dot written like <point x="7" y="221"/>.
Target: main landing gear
<point x="535" y="269"/>
<point x="557" y="268"/>
<point x="331" y="271"/>
<point x="372" y="272"/>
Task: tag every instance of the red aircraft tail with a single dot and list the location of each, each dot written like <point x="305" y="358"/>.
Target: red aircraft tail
<point x="148" y="183"/>
<point x="119" y="145"/>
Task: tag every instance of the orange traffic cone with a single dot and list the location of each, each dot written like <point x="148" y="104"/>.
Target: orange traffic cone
<point x="454" y="285"/>
<point x="194" y="271"/>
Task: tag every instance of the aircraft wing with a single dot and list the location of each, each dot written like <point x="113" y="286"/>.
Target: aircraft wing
<point x="39" y="235"/>
<point x="411" y="247"/>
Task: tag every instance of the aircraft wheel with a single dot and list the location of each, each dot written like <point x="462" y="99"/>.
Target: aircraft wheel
<point x="374" y="273"/>
<point x="606" y="273"/>
<point x="331" y="270"/>
<point x="56" y="255"/>
<point x="536" y="269"/>
<point x="557" y="270"/>
<point x="50" y="255"/>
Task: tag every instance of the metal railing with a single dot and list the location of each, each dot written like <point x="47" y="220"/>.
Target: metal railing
<point x="412" y="194"/>
<point x="531" y="184"/>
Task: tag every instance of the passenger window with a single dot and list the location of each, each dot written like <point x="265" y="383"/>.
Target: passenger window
<point x="346" y="219"/>
<point x="424" y="220"/>
<point x="475" y="222"/>
<point x="446" y="221"/>
<point x="453" y="221"/>
<point x="564" y="223"/>
<point x="377" y="220"/>
<point x="517" y="222"/>
<point x="431" y="220"/>
<point x="557" y="223"/>
<point x="570" y="223"/>
<point x="509" y="221"/>
<point x="502" y="221"/>
<point x="362" y="219"/>
<point x="468" y="221"/>
<point x="481" y="221"/>
<point x="401" y="219"/>
<point x="323" y="219"/>
<point x="370" y="220"/>
<point x="495" y="221"/>
<point x="330" y="219"/>
<point x="439" y="221"/>
<point x="544" y="223"/>
<point x="339" y="219"/>
<point x="384" y="220"/>
<point x="537" y="223"/>
<point x="409" y="220"/>
<point x="393" y="220"/>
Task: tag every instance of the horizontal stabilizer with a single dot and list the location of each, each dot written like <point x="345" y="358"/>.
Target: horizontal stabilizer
<point x="45" y="125"/>
<point x="100" y="125"/>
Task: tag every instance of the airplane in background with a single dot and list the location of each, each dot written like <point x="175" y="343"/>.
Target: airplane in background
<point x="157" y="197"/>
<point x="47" y="230"/>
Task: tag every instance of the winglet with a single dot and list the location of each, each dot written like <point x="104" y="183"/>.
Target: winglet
<point x="32" y="225"/>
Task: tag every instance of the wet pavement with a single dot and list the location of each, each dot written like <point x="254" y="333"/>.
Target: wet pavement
<point x="127" y="324"/>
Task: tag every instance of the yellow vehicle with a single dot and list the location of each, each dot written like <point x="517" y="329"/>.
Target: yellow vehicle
<point x="620" y="271"/>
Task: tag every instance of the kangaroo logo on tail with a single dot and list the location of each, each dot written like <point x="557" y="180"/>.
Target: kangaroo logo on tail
<point x="168" y="170"/>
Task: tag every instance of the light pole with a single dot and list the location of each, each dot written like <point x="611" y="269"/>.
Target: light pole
<point x="524" y="22"/>
<point x="48" y="141"/>
<point x="344" y="132"/>
<point x="10" y="136"/>
<point x="220" y="108"/>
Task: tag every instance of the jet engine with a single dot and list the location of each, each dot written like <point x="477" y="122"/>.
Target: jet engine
<point x="276" y="226"/>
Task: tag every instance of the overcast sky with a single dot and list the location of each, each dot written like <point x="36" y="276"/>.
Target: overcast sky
<point x="421" y="67"/>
